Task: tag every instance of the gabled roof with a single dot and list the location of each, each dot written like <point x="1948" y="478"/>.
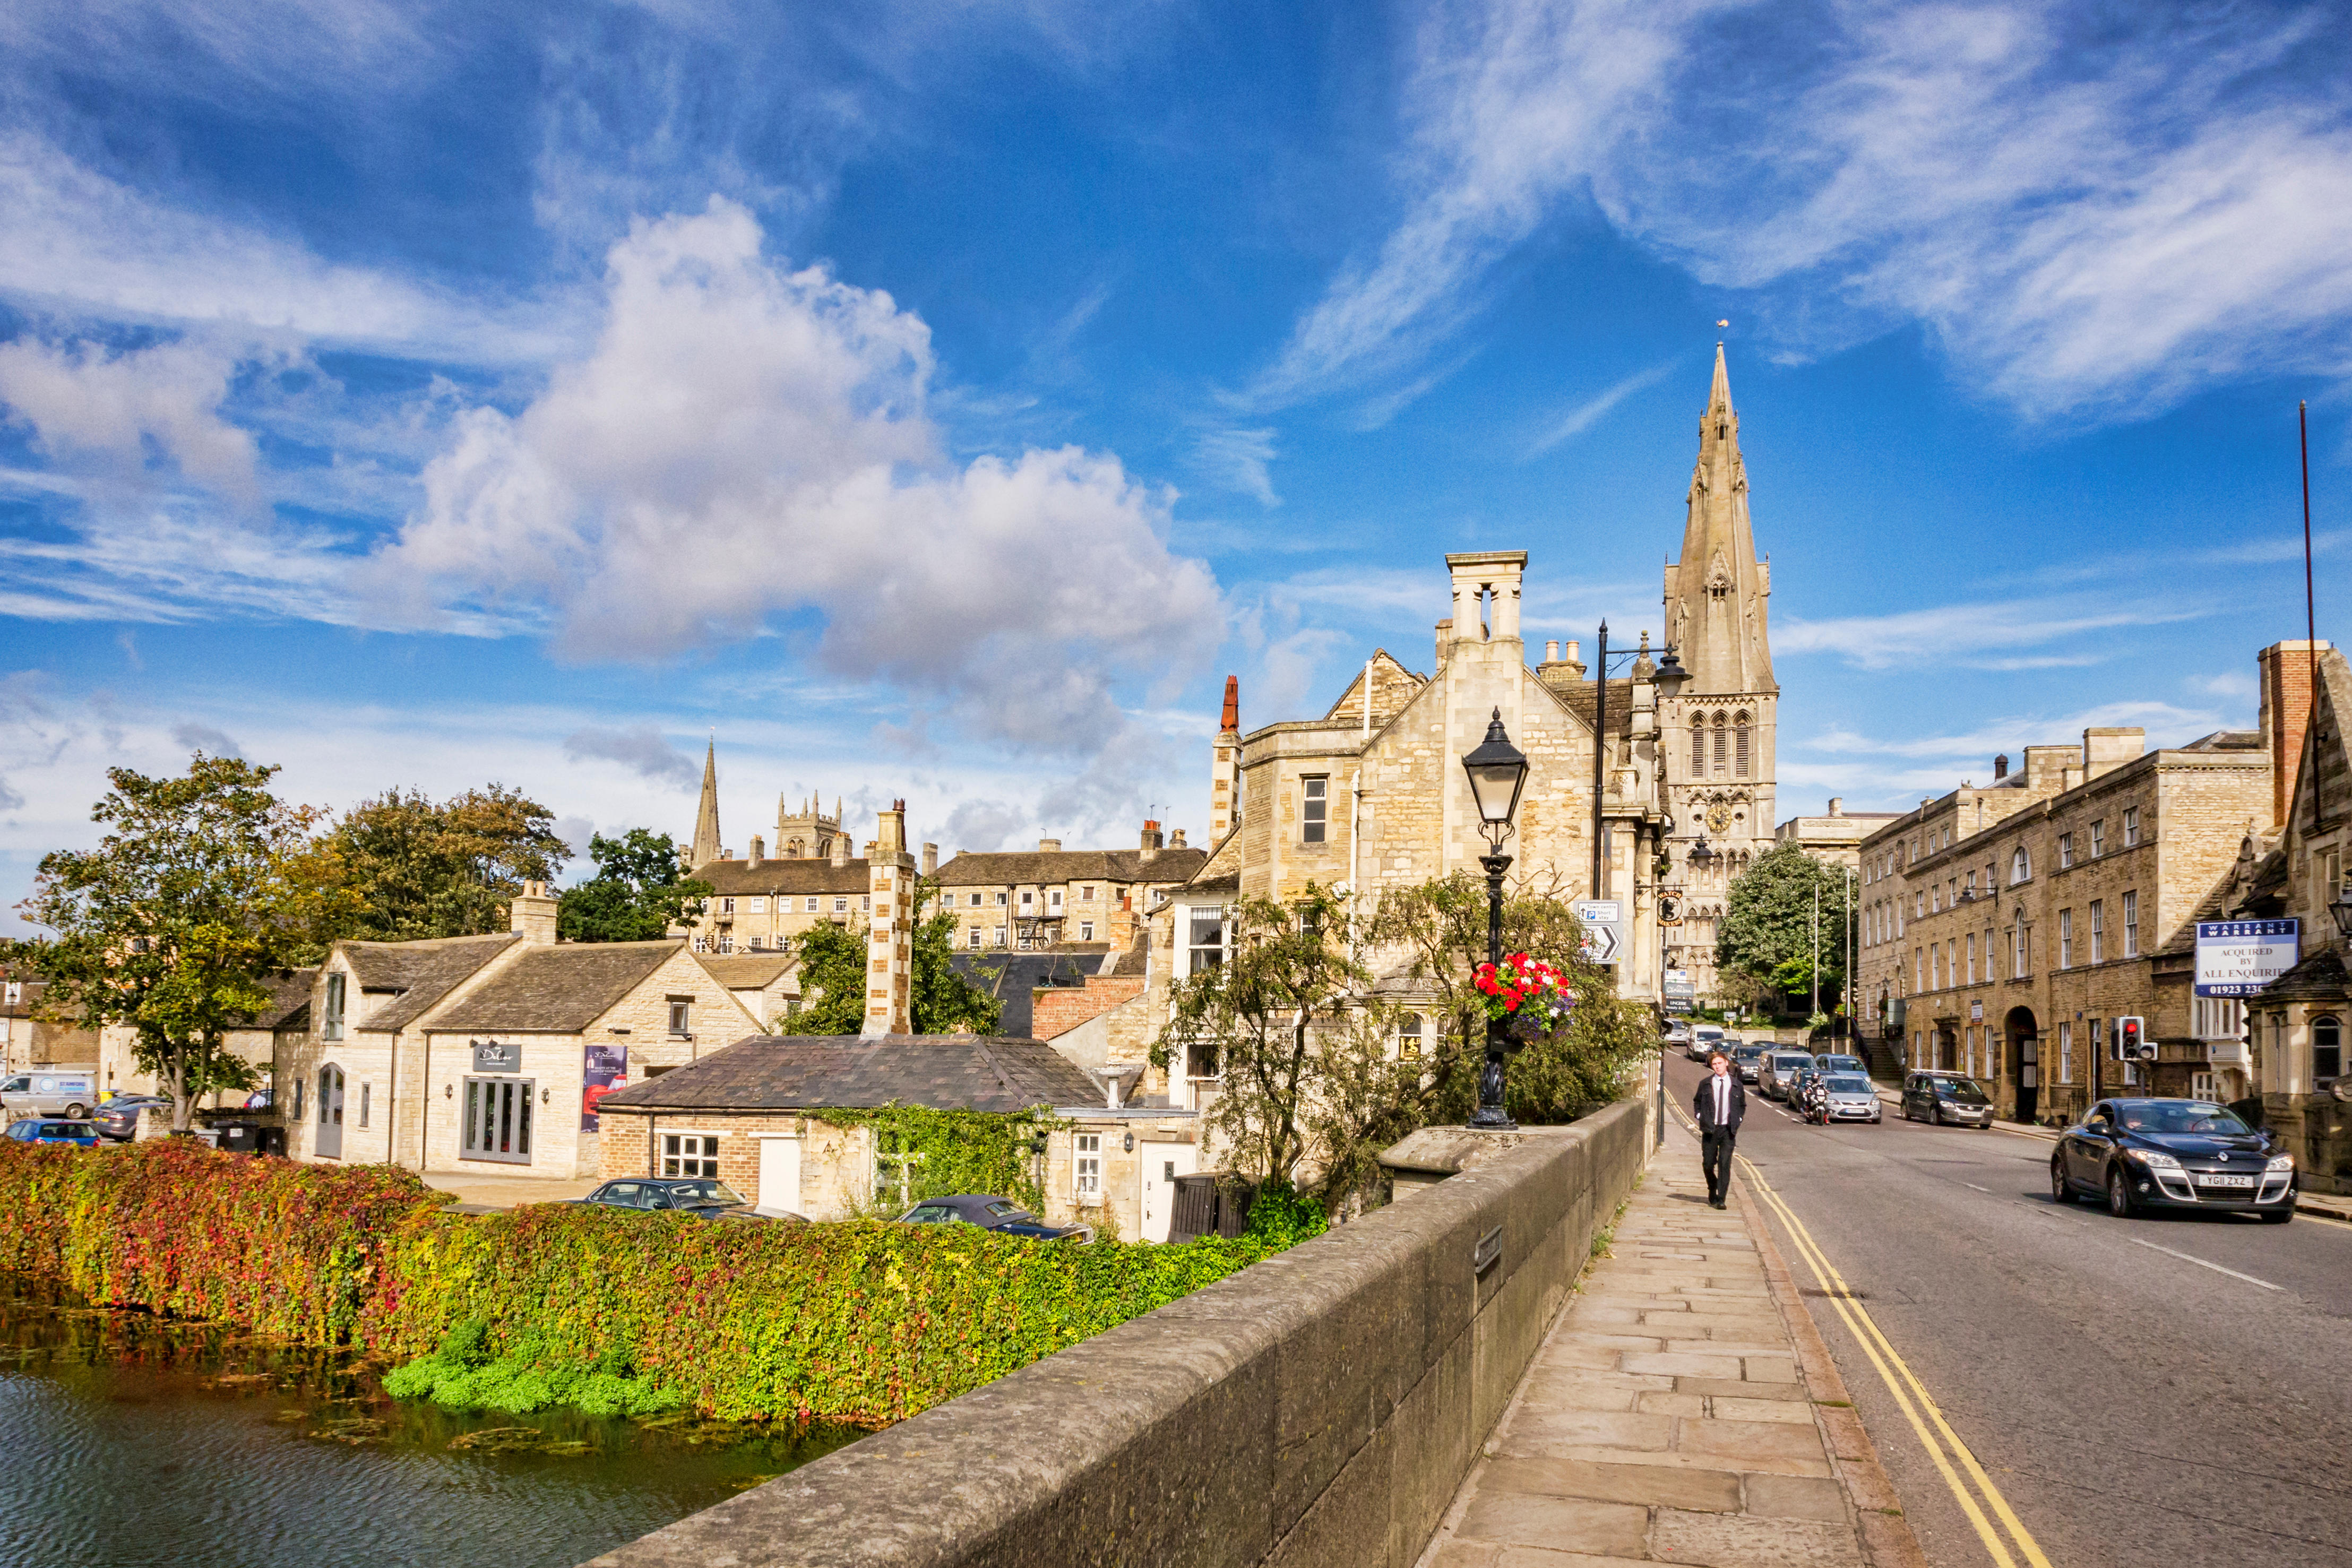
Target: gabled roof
<point x="421" y="972"/>
<point x="2319" y="978"/>
<point x="289" y="999"/>
<point x="805" y="1072"/>
<point x="750" y="971"/>
<point x="786" y="877"/>
<point x="1047" y="867"/>
<point x="1582" y="697"/>
<point x="557" y="990"/>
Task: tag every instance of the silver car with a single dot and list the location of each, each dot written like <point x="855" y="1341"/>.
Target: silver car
<point x="52" y="1091"/>
<point x="1779" y="1069"/>
<point x="1849" y="1096"/>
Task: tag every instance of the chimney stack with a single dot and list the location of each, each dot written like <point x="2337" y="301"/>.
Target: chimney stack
<point x="2286" y="673"/>
<point x="840" y="855"/>
<point x="1151" y="840"/>
<point x="1049" y="847"/>
<point x="890" y="929"/>
<point x="1225" y="768"/>
<point x="533" y="915"/>
<point x="1837" y="806"/>
<point x="1552" y="650"/>
<point x="759" y="850"/>
<point x="1445" y="639"/>
<point x="930" y="859"/>
<point x="1176" y="841"/>
<point x="2000" y="767"/>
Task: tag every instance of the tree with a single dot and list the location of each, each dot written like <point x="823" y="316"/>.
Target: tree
<point x="1767" y="923"/>
<point x="637" y="893"/>
<point x="207" y="886"/>
<point x="1289" y="969"/>
<point x="833" y="982"/>
<point x="450" y="870"/>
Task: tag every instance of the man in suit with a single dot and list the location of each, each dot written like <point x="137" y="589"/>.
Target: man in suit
<point x="1718" y="1105"/>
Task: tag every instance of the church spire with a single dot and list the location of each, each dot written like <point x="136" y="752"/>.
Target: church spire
<point x="1717" y="594"/>
<point x="705" y="816"/>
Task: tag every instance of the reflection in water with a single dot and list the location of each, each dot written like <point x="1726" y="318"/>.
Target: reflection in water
<point x="129" y="1441"/>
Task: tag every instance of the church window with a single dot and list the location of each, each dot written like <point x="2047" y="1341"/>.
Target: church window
<point x="1699" y="745"/>
<point x="1739" y="744"/>
<point x="1718" y="745"/>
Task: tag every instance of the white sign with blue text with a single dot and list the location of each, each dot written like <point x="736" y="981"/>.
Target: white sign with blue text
<point x="2238" y="958"/>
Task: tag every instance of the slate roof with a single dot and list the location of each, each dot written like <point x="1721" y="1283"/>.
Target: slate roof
<point x="421" y="971"/>
<point x="1580" y="701"/>
<point x="1230" y="882"/>
<point x="802" y="1072"/>
<point x="2319" y="978"/>
<point x="788" y="877"/>
<point x="557" y="990"/>
<point x="1047" y="867"/>
<point x="1023" y="973"/>
<point x="289" y="1000"/>
<point x="750" y="971"/>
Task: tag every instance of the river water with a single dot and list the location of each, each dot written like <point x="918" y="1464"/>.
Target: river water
<point x="129" y="1441"/>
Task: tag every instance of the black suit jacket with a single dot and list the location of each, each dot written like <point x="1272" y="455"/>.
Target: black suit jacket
<point x="1703" y="1104"/>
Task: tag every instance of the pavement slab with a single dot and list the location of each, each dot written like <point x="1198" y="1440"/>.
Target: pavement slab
<point x="1669" y="1418"/>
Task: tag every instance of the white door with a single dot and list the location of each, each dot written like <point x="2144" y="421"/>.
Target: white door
<point x="780" y="1175"/>
<point x="1162" y="1163"/>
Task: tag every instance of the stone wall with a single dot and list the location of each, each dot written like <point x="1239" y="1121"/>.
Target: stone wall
<point x="1321" y="1407"/>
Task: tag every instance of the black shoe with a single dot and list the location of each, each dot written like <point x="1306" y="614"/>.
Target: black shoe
<point x="1722" y="1203"/>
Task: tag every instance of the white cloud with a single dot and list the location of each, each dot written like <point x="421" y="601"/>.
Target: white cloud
<point x="1239" y="459"/>
<point x="1584" y="415"/>
<point x="640" y="748"/>
<point x="747" y="448"/>
<point x="86" y="406"/>
<point x="194" y="737"/>
<point x="1982" y="635"/>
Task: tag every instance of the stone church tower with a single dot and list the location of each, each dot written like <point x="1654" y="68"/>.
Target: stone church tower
<point x="1717" y="735"/>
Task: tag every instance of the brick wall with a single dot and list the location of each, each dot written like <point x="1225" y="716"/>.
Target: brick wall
<point x="836" y="1163"/>
<point x="1056" y="1010"/>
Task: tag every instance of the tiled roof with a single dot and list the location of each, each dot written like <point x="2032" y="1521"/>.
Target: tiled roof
<point x="289" y="994"/>
<point x="750" y="971"/>
<point x="1581" y="701"/>
<point x="787" y="877"/>
<point x="2319" y="978"/>
<point x="802" y="1072"/>
<point x="421" y="971"/>
<point x="1229" y="882"/>
<point x="1045" y="867"/>
<point x="557" y="990"/>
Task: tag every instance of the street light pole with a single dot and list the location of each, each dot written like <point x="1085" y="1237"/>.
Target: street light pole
<point x="1498" y="771"/>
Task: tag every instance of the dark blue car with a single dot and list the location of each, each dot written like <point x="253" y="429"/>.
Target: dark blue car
<point x="54" y="1130"/>
<point x="990" y="1212"/>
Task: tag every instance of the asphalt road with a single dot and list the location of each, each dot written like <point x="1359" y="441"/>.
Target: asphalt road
<point x="2132" y="1403"/>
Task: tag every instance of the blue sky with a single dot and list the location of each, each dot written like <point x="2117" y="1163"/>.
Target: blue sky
<point x="939" y="400"/>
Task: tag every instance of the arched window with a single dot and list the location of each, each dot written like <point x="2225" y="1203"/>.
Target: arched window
<point x="1699" y="745"/>
<point x="1718" y="745"/>
<point x="2326" y="1050"/>
<point x="1739" y="744"/>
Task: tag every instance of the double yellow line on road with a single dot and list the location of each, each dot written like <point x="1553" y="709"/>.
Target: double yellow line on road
<point x="1936" y="1435"/>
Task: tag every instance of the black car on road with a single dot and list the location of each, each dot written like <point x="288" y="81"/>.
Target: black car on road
<point x="990" y="1212"/>
<point x="2145" y="1154"/>
<point x="702" y="1196"/>
<point x="1945" y="1099"/>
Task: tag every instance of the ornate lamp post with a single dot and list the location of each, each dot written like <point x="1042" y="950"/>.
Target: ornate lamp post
<point x="1498" y="771"/>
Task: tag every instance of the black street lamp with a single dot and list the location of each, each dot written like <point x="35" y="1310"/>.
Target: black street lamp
<point x="2342" y="909"/>
<point x="1498" y="770"/>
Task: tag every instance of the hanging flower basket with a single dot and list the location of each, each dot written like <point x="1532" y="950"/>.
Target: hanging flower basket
<point x="1528" y="996"/>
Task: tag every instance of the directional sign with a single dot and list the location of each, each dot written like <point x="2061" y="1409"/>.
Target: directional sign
<point x="1604" y="930"/>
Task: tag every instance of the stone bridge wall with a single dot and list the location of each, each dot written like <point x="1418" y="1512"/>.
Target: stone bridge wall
<point x="1319" y="1408"/>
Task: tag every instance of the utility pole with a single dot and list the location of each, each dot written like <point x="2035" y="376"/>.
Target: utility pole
<point x="1817" y="951"/>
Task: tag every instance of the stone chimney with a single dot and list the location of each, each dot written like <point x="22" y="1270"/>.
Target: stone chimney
<point x="1176" y="839"/>
<point x="533" y="915"/>
<point x="1049" y="847"/>
<point x="1575" y="659"/>
<point x="2000" y="767"/>
<point x="930" y="859"/>
<point x="1151" y="840"/>
<point x="1552" y="650"/>
<point x="759" y="850"/>
<point x="1445" y="639"/>
<point x="1225" y="769"/>
<point x="2286" y="673"/>
<point x="2104" y="750"/>
<point x="1837" y="806"/>
<point x="840" y="849"/>
<point x="890" y="931"/>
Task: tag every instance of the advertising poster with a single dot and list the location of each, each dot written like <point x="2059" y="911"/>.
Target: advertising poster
<point x="603" y="1069"/>
<point x="2238" y="958"/>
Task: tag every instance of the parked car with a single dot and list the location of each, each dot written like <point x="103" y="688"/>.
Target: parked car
<point x="1945" y="1099"/>
<point x="119" y="1118"/>
<point x="990" y="1212"/>
<point x="1846" y="1097"/>
<point x="1833" y="1063"/>
<point x="54" y="1130"/>
<point x="702" y="1196"/>
<point x="1748" y="1058"/>
<point x="1775" y="1068"/>
<point x="66" y="1094"/>
<point x="2173" y="1154"/>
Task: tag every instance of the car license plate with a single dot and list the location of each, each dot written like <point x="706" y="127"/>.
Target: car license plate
<point x="2220" y="1179"/>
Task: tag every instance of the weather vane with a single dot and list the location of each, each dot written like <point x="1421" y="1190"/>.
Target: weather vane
<point x="1725" y="322"/>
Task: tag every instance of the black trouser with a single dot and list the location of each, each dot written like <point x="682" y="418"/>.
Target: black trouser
<point x="1715" y="1159"/>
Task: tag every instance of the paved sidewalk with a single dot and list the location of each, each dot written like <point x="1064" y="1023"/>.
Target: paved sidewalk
<point x="1675" y="1415"/>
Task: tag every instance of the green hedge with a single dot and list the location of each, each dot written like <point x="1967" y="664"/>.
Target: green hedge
<point x="864" y="1323"/>
<point x="176" y="1227"/>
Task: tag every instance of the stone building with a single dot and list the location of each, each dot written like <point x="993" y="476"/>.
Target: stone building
<point x="259" y="1043"/>
<point x="1835" y="837"/>
<point x="2003" y="927"/>
<point x="488" y="1054"/>
<point x="29" y="1040"/>
<point x="1049" y="896"/>
<point x="1718" y="736"/>
<point x="2294" y="1042"/>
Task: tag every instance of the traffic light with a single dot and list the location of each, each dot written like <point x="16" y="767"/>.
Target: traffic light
<point x="2132" y="1043"/>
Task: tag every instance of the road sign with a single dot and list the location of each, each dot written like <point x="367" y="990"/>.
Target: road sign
<point x="2238" y="958"/>
<point x="1604" y="930"/>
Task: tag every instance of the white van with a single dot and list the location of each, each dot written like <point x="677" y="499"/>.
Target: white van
<point x="1706" y="1040"/>
<point x="57" y="1091"/>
